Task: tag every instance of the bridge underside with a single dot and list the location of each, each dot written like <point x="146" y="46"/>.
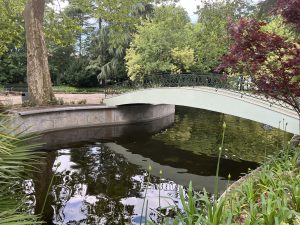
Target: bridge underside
<point x="217" y="100"/>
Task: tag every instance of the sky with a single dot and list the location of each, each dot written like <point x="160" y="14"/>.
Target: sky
<point x="189" y="5"/>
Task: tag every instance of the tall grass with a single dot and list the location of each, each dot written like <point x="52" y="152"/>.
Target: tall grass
<point x="218" y="163"/>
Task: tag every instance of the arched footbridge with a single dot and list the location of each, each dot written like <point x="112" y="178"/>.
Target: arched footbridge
<point x="213" y="96"/>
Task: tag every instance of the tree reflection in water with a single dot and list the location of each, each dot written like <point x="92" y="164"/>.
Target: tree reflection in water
<point x="93" y="185"/>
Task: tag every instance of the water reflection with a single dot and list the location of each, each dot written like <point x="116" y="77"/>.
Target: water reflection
<point x="60" y="139"/>
<point x="181" y="166"/>
<point x="103" y="181"/>
<point x="199" y="132"/>
<point x="94" y="185"/>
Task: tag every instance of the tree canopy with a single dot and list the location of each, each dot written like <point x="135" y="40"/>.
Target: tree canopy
<point x="271" y="57"/>
<point x="161" y="44"/>
<point x="11" y="23"/>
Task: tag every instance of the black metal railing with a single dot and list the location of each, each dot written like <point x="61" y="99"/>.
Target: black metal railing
<point x="241" y="85"/>
<point x="167" y="80"/>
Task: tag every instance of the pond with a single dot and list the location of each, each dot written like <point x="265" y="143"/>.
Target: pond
<point x="100" y="174"/>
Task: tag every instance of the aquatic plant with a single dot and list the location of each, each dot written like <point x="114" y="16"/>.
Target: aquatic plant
<point x="145" y="196"/>
<point x="218" y="164"/>
<point x="271" y="195"/>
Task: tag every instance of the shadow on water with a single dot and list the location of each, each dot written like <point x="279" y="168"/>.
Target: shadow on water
<point x="66" y="138"/>
<point x="102" y="174"/>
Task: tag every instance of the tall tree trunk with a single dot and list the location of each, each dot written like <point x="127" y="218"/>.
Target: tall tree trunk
<point x="38" y="74"/>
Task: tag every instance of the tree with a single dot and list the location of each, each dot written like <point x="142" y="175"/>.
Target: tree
<point x="13" y="65"/>
<point x="11" y="24"/>
<point x="109" y="43"/>
<point x="58" y="29"/>
<point x="38" y="74"/>
<point x="211" y="36"/>
<point x="40" y="90"/>
<point x="104" y="60"/>
<point x="264" y="8"/>
<point x="290" y="10"/>
<point x="77" y="74"/>
<point x="278" y="26"/>
<point x="84" y="29"/>
<point x="117" y="14"/>
<point x="272" y="60"/>
<point x="60" y="58"/>
<point x="161" y="44"/>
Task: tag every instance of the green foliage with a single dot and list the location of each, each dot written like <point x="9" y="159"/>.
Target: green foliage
<point x="183" y="58"/>
<point x="81" y="18"/>
<point x="60" y="59"/>
<point x="161" y="44"/>
<point x="18" y="160"/>
<point x="118" y="14"/>
<point x="279" y="27"/>
<point x="169" y="43"/>
<point x="11" y="23"/>
<point x="104" y="60"/>
<point x="211" y="37"/>
<point x="70" y="31"/>
<point x="271" y="197"/>
<point x="60" y="28"/>
<point x="13" y="65"/>
<point x="191" y="213"/>
<point x="77" y="75"/>
<point x="70" y="89"/>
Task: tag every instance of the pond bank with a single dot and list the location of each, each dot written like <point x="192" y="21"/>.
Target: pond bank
<point x="295" y="141"/>
<point x="67" y="98"/>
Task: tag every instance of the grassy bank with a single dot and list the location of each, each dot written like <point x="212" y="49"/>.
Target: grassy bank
<point x="271" y="196"/>
<point x="69" y="89"/>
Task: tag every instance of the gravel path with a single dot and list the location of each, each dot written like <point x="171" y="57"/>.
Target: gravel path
<point x="67" y="98"/>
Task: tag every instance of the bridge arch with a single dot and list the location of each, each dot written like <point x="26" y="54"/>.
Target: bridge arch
<point x="218" y="100"/>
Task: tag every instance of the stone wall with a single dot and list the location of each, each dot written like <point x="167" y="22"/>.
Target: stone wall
<point x="62" y="118"/>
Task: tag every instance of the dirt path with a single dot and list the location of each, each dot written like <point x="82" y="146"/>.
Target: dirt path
<point x="67" y="98"/>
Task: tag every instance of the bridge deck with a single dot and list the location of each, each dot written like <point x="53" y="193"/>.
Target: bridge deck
<point x="253" y="107"/>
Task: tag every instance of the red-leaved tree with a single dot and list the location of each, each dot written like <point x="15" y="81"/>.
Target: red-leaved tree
<point x="290" y="11"/>
<point x="272" y="60"/>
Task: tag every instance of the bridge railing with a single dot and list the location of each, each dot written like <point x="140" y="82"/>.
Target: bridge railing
<point x="167" y="80"/>
<point x="241" y="85"/>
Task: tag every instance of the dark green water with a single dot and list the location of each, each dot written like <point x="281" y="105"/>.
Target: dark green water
<point x="102" y="172"/>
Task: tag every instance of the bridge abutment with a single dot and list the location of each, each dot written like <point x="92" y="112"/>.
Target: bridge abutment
<point x="63" y="118"/>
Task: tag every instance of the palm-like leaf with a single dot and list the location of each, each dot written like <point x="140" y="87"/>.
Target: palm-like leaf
<point x="17" y="161"/>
